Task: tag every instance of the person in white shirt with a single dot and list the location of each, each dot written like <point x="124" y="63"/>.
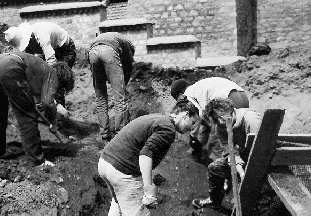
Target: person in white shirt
<point x="200" y="94"/>
<point x="45" y="39"/>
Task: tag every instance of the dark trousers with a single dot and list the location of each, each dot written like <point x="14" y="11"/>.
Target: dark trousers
<point x="67" y="53"/>
<point x="218" y="171"/>
<point x="15" y="89"/>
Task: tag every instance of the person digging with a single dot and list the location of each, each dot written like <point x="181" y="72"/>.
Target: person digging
<point x="126" y="163"/>
<point x="200" y="93"/>
<point x="244" y="121"/>
<point x="29" y="84"/>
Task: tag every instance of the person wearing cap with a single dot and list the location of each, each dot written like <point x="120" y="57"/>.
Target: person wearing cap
<point x="200" y="93"/>
<point x="111" y="57"/>
<point x="43" y="38"/>
<point x="126" y="163"/>
<point x="28" y="83"/>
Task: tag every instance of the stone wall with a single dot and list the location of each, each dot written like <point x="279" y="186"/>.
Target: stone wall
<point x="81" y="22"/>
<point x="213" y="22"/>
<point x="10" y="15"/>
<point x="117" y="10"/>
<point x="282" y="23"/>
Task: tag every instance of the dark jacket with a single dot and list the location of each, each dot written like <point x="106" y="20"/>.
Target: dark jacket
<point x="31" y="72"/>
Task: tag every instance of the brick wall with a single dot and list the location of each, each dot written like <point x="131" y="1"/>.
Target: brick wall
<point x="117" y="10"/>
<point x="284" y="22"/>
<point x="211" y="21"/>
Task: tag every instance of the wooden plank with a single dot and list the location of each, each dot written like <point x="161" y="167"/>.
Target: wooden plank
<point x="292" y="156"/>
<point x="296" y="138"/>
<point x="259" y="159"/>
<point x="291" y="191"/>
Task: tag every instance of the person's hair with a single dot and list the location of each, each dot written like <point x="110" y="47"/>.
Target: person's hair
<point x="65" y="76"/>
<point x="184" y="105"/>
<point x="219" y="104"/>
<point x="178" y="87"/>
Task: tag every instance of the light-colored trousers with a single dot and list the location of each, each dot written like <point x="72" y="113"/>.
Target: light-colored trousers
<point x="126" y="190"/>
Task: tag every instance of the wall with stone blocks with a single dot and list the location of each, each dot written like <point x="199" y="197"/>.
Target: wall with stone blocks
<point x="10" y="15"/>
<point x="282" y="23"/>
<point x="183" y="57"/>
<point x="213" y="22"/>
<point x="117" y="10"/>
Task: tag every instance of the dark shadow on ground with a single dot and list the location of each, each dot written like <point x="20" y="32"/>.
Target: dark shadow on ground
<point x="78" y="128"/>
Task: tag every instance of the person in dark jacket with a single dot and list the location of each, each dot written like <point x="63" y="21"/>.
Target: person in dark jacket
<point x="26" y="81"/>
<point x="111" y="58"/>
<point x="126" y="163"/>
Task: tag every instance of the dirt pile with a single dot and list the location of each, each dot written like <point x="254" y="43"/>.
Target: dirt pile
<point x="72" y="187"/>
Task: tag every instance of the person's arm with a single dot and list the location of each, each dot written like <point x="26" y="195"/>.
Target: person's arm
<point x="145" y="165"/>
<point x="45" y="42"/>
<point x="49" y="89"/>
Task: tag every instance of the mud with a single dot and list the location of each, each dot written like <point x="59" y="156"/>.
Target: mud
<point x="72" y="187"/>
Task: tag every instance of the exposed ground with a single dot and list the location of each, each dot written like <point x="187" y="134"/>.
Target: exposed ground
<point x="72" y="187"/>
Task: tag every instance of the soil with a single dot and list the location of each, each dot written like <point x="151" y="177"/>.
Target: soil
<point x="278" y="80"/>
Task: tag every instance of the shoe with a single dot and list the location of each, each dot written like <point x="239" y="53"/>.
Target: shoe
<point x="47" y="163"/>
<point x="205" y="203"/>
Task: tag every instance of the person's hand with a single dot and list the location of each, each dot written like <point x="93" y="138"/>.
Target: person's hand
<point x="40" y="107"/>
<point x="53" y="126"/>
<point x="62" y="111"/>
<point x="150" y="199"/>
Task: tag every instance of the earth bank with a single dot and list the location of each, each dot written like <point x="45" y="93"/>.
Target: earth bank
<point x="278" y="80"/>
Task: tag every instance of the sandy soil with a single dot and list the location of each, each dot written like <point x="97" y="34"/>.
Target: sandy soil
<point x="72" y="187"/>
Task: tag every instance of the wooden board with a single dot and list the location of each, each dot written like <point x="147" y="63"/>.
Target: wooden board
<point x="292" y="156"/>
<point x="291" y="191"/>
<point x="259" y="159"/>
<point x="296" y="138"/>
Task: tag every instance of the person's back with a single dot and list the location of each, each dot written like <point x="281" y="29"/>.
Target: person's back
<point x="50" y="32"/>
<point x="150" y="134"/>
<point x="210" y="88"/>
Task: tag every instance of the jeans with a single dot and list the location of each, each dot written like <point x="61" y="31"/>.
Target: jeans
<point x="106" y="66"/>
<point x="126" y="191"/>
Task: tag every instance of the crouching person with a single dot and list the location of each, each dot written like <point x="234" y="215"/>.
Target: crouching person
<point x="28" y="83"/>
<point x="244" y="121"/>
<point x="126" y="163"/>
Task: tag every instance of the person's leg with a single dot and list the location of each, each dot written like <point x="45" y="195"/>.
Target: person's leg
<point x="239" y="99"/>
<point x="127" y="189"/>
<point x="103" y="169"/>
<point x="67" y="53"/>
<point x="218" y="171"/>
<point x="23" y="106"/>
<point x="4" y="109"/>
<point x="115" y="75"/>
<point x="99" y="83"/>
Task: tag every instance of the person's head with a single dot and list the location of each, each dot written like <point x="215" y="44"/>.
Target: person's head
<point x="219" y="109"/>
<point x="185" y="115"/>
<point x="19" y="37"/>
<point x="65" y="77"/>
<point x="178" y="87"/>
